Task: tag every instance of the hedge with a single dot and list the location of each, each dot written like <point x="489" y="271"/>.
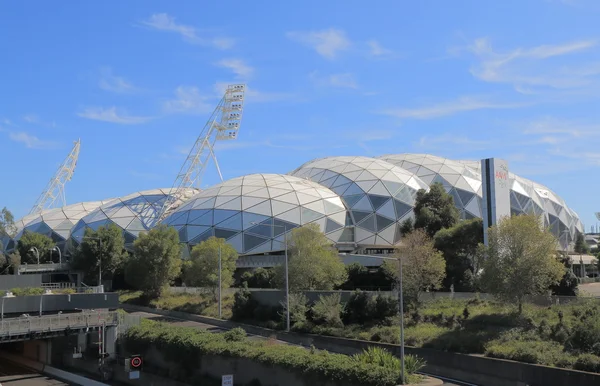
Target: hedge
<point x="185" y="346"/>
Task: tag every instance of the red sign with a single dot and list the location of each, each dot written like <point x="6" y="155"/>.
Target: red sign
<point x="136" y="362"/>
<point x="500" y="175"/>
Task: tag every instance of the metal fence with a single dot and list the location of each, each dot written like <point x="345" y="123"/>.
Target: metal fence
<point x="52" y="323"/>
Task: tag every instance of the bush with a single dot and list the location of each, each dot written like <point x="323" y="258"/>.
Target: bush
<point x="185" y="346"/>
<point x="413" y="364"/>
<point x="327" y="311"/>
<point x="359" y="308"/>
<point x="243" y="305"/>
<point x="27" y="291"/>
<point x="235" y="335"/>
<point x="588" y="362"/>
<point x="381" y="357"/>
<point x="386" y="335"/>
<point x="536" y="352"/>
<point x="385" y="307"/>
<point x="298" y="308"/>
<point x="586" y="335"/>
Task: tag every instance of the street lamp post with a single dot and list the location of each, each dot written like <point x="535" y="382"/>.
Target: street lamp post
<point x="99" y="260"/>
<point x="220" y="314"/>
<point x="287" y="282"/>
<point x="57" y="249"/>
<point x="36" y="252"/>
<point x="401" y="310"/>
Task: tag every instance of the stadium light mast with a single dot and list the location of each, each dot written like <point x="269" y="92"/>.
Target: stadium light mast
<point x="55" y="190"/>
<point x="223" y="124"/>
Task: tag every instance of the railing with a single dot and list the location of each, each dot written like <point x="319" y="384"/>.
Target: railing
<point x="48" y="267"/>
<point x="53" y="323"/>
<point x="63" y="285"/>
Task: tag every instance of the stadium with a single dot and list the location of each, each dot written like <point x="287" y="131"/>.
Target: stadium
<point x="358" y="202"/>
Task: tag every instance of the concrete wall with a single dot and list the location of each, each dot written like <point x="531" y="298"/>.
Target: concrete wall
<point x="55" y="303"/>
<point x="20" y="281"/>
<point x="469" y="368"/>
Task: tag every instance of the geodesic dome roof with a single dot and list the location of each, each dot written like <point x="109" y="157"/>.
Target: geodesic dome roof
<point x="250" y="212"/>
<point x="459" y="180"/>
<point x="57" y="223"/>
<point x="133" y="213"/>
<point x="379" y="195"/>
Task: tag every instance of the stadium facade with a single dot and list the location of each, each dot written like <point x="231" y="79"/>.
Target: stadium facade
<point x="358" y="202"/>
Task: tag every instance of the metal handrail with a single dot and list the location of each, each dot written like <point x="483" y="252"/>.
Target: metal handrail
<point x="53" y="323"/>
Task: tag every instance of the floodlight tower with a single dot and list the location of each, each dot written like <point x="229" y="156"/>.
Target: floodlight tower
<point x="223" y="125"/>
<point x="55" y="190"/>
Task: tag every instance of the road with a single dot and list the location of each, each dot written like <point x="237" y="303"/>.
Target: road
<point x="204" y="326"/>
<point x="12" y="374"/>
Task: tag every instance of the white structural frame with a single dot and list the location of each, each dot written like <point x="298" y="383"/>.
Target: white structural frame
<point x="223" y="124"/>
<point x="55" y="190"/>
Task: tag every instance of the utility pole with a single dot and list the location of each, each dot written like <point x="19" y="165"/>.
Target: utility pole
<point x="220" y="314"/>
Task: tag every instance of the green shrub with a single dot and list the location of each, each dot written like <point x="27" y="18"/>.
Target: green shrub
<point x="327" y="311"/>
<point x="537" y="352"/>
<point x="243" y="305"/>
<point x="235" y="335"/>
<point x="386" y="335"/>
<point x="586" y="335"/>
<point x="359" y="308"/>
<point x="588" y="362"/>
<point x="27" y="291"/>
<point x="413" y="364"/>
<point x="385" y="307"/>
<point x="65" y="291"/>
<point x="185" y="346"/>
<point x="381" y="357"/>
<point x="298" y="308"/>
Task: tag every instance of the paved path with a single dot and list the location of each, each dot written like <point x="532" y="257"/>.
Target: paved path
<point x="12" y="374"/>
<point x="592" y="289"/>
<point x="204" y="326"/>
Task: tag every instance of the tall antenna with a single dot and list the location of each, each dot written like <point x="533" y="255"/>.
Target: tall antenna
<point x="55" y="190"/>
<point x="224" y="124"/>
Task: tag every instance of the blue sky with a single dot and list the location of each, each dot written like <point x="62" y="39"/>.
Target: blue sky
<point x="137" y="80"/>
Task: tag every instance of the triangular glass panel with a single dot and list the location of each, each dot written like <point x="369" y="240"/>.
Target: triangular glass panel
<point x="249" y="219"/>
<point x="204" y="236"/>
<point x="204" y="219"/>
<point x="464" y="196"/>
<point x="281" y="227"/>
<point x="392" y="186"/>
<point x="348" y="221"/>
<point x="332" y="205"/>
<point x="263" y="230"/>
<point x="224" y="233"/>
<point x="331" y="226"/>
<point x="251" y="242"/>
<point x="368" y="224"/>
<point x="347" y="236"/>
<point x="351" y="200"/>
<point x="264" y="208"/>
<point x="377" y="201"/>
<point x="309" y="215"/>
<point x="183" y="235"/>
<point x="359" y="216"/>
<point x="221" y="215"/>
<point x="353" y="189"/>
<point x="194" y="231"/>
<point x="291" y="216"/>
<point x="401" y="208"/>
<point x="382" y="222"/>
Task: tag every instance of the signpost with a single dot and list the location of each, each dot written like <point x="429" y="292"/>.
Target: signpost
<point x="227" y="380"/>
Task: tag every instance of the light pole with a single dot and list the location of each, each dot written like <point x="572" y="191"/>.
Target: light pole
<point x="400" y="309"/>
<point x="99" y="259"/>
<point x="57" y="249"/>
<point x="287" y="282"/>
<point x="220" y="282"/>
<point x="36" y="253"/>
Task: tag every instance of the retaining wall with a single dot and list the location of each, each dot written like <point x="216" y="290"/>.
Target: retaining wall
<point x="54" y="303"/>
<point x="8" y="282"/>
<point x="469" y="368"/>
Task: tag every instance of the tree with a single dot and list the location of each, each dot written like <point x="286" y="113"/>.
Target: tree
<point x="568" y="285"/>
<point x="106" y="246"/>
<point x="259" y="278"/>
<point x="459" y="244"/>
<point x="581" y="246"/>
<point x="203" y="271"/>
<point x="313" y="264"/>
<point x="7" y="223"/>
<point x="521" y="260"/>
<point x="435" y="210"/>
<point x="42" y="243"/>
<point x="156" y="261"/>
<point x="423" y="267"/>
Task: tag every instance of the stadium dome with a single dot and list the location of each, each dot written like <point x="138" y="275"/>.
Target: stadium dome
<point x="55" y="223"/>
<point x="133" y="213"/>
<point x="527" y="196"/>
<point x="378" y="194"/>
<point x="253" y="211"/>
<point x="459" y="180"/>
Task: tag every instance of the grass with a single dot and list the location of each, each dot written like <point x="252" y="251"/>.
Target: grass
<point x="200" y="304"/>
<point x="550" y="336"/>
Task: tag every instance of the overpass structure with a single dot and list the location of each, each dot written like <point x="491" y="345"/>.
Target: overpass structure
<point x="49" y="326"/>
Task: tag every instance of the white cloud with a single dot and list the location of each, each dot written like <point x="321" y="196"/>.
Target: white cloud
<point x="189" y="100"/>
<point x="166" y="22"/>
<point x="377" y="50"/>
<point x="30" y="141"/>
<point x="448" y="108"/>
<point x="112" y="115"/>
<point x="343" y="80"/>
<point x="31" y="118"/>
<point x="530" y="66"/>
<point x="457" y="140"/>
<point x="328" y="43"/>
<point x="238" y="66"/>
<point x="109" y="82"/>
<point x="555" y="126"/>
